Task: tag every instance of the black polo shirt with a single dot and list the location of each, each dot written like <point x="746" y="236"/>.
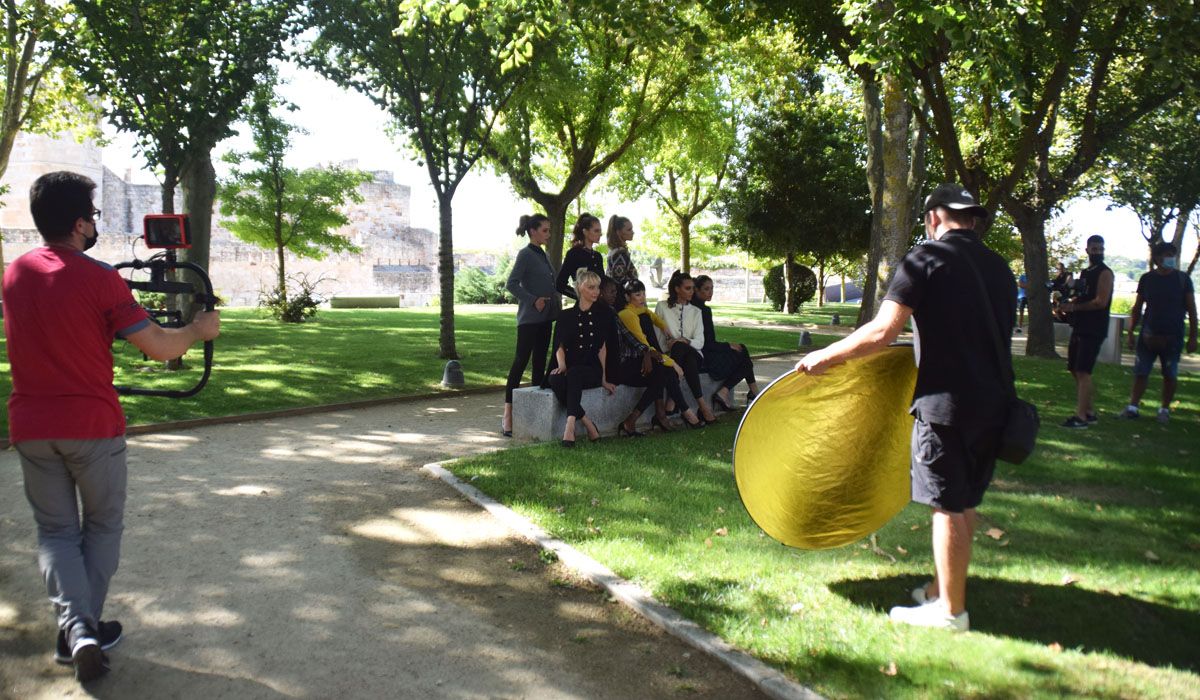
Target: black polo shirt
<point x="959" y="379"/>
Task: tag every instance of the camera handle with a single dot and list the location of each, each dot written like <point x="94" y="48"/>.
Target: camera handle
<point x="159" y="267"/>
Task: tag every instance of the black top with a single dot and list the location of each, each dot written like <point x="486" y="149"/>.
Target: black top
<point x="959" y="381"/>
<point x="583" y="333"/>
<point x="1093" y="321"/>
<point x="710" y="331"/>
<point x="577" y="257"/>
<point x="1166" y="301"/>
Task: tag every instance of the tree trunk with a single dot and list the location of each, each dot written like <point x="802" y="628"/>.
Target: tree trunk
<point x="789" y="299"/>
<point x="1181" y="222"/>
<point x="821" y="284"/>
<point x="556" y="210"/>
<point x="281" y="276"/>
<point x="897" y="199"/>
<point x="685" y="244"/>
<point x="446" y="348"/>
<point x="873" y="126"/>
<point x="1040" y="331"/>
<point x="199" y="182"/>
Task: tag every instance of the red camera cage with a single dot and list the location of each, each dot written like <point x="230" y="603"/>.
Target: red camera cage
<point x="181" y="225"/>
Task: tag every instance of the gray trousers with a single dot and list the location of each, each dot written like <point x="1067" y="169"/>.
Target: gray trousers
<point x="77" y="558"/>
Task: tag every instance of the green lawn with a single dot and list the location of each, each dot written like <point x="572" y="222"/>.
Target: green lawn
<point x="341" y="355"/>
<point x="809" y="313"/>
<point x="1090" y="588"/>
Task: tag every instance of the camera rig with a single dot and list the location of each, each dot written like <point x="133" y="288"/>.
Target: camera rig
<point x="170" y="232"/>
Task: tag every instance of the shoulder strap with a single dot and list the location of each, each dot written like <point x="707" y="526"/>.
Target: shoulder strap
<point x="993" y="326"/>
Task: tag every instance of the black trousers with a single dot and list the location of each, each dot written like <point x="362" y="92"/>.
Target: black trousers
<point x="569" y="386"/>
<point x="689" y="360"/>
<point x="532" y="339"/>
<point x="743" y="369"/>
<point x="659" y="380"/>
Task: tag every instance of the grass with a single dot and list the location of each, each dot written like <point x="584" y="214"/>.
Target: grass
<point x="341" y="355"/>
<point x="1091" y="590"/>
<point x="809" y="313"/>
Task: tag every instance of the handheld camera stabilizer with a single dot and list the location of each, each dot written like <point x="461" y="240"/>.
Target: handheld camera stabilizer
<point x="170" y="232"/>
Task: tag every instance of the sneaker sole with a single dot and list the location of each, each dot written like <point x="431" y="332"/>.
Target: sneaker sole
<point x="89" y="663"/>
<point x="66" y="660"/>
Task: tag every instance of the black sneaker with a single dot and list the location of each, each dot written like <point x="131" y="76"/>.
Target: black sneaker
<point x="1092" y="419"/>
<point x="109" y="635"/>
<point x="86" y="655"/>
<point x="1075" y="422"/>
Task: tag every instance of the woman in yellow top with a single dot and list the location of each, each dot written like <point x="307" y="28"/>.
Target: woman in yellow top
<point x="640" y="322"/>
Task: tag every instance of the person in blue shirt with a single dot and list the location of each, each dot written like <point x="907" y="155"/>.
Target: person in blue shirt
<point x="1022" y="300"/>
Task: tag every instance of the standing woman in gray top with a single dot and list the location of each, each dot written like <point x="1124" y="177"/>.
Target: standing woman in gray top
<point x="531" y="281"/>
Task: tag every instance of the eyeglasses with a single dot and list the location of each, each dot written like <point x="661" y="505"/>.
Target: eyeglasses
<point x="95" y="214"/>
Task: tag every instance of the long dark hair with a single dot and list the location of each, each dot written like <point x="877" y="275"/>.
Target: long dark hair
<point x="579" y="233"/>
<point x="530" y="222"/>
<point x="678" y="277"/>
<point x="700" y="281"/>
<point x="616" y="224"/>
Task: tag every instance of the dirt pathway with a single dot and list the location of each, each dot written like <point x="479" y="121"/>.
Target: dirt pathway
<point x="310" y="558"/>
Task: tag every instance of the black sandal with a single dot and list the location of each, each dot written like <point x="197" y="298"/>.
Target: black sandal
<point x="656" y="423"/>
<point x="622" y="430"/>
<point x="718" y="402"/>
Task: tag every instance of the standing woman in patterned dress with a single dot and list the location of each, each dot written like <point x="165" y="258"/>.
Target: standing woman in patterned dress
<point x="620" y="265"/>
<point x="531" y="281"/>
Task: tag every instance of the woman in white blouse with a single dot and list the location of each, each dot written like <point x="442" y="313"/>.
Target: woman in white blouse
<point x="684" y="338"/>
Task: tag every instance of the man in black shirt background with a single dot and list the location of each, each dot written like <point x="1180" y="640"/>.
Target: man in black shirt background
<point x="961" y="392"/>
<point x="1089" y="328"/>
<point x="1167" y="294"/>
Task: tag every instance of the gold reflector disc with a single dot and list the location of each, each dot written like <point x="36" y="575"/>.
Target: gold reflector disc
<point x="823" y="461"/>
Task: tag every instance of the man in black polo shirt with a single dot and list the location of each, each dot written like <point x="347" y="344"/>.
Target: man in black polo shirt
<point x="1167" y="294"/>
<point x="1089" y="327"/>
<point x="960" y="397"/>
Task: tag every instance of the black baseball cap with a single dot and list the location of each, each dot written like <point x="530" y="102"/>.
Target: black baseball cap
<point x="954" y="196"/>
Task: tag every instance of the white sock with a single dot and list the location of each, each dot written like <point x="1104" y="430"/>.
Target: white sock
<point x="1131" y="408"/>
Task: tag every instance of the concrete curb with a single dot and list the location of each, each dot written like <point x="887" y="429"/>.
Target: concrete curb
<point x="770" y="681"/>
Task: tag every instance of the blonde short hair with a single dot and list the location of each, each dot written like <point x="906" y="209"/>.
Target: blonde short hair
<point x="585" y="276"/>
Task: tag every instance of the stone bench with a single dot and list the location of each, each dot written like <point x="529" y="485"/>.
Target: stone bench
<point x="538" y="415"/>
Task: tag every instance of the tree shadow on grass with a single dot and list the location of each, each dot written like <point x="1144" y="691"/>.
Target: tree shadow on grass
<point x="1091" y="621"/>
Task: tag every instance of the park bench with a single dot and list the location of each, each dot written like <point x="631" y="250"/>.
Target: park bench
<point x="538" y="415"/>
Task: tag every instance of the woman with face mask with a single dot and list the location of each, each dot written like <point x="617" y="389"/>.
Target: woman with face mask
<point x="581" y="353"/>
<point x="584" y="237"/>
<point x="729" y="362"/>
<point x="684" y="339"/>
<point x="531" y="281"/>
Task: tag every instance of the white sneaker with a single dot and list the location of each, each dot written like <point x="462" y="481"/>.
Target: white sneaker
<point x="931" y="615"/>
<point x="920" y="597"/>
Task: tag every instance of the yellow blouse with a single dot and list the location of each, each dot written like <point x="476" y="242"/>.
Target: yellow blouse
<point x="629" y="317"/>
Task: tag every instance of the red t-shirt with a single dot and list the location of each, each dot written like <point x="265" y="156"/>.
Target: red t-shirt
<point x="62" y="311"/>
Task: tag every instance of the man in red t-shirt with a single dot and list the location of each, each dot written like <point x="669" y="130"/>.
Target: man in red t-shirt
<point x="62" y="310"/>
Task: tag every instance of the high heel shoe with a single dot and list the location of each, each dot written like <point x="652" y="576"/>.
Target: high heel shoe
<point x="700" y="423"/>
<point x="656" y="423"/>
<point x="718" y="402"/>
<point x="568" y="443"/>
<point x="635" y="433"/>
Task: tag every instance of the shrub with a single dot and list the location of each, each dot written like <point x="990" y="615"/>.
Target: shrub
<point x="804" y="286"/>
<point x="474" y="286"/>
<point x="299" y="306"/>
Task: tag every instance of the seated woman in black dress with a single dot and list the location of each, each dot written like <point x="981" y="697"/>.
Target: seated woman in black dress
<point x="581" y="337"/>
<point x="640" y="323"/>
<point x="639" y="364"/>
<point x="729" y="362"/>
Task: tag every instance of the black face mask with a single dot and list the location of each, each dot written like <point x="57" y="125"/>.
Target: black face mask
<point x="89" y="242"/>
<point x="1096" y="258"/>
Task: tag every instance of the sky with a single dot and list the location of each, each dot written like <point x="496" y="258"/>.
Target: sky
<point x="343" y="125"/>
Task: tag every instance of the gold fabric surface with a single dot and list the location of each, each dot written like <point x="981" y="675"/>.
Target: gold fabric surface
<point x="823" y="461"/>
